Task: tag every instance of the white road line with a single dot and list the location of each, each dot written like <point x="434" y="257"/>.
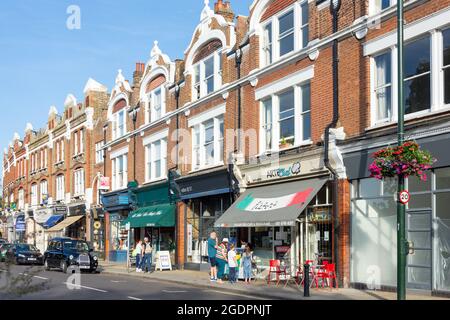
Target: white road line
<point x="42" y="278"/>
<point x="236" y="294"/>
<point x="118" y="281"/>
<point x="68" y="284"/>
<point x="134" y="298"/>
<point x="174" y="291"/>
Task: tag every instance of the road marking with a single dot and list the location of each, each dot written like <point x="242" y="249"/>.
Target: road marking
<point x="118" y="281"/>
<point x="174" y="291"/>
<point x="134" y="298"/>
<point x="68" y="284"/>
<point x="42" y="278"/>
<point x="236" y="294"/>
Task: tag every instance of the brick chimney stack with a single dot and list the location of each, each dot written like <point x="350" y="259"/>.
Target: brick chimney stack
<point x="224" y="9"/>
<point x="138" y="73"/>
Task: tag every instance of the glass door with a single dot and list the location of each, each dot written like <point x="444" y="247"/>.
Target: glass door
<point x="419" y="263"/>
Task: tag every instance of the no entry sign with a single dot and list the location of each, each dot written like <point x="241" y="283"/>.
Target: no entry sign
<point x="404" y="197"/>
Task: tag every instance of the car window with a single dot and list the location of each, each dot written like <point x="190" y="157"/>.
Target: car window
<point x="26" y="247"/>
<point x="58" y="245"/>
<point x="80" y="246"/>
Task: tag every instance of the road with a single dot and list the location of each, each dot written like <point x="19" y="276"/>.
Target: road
<point x="88" y="286"/>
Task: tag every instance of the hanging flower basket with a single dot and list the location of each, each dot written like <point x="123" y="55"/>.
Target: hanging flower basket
<point x="407" y="159"/>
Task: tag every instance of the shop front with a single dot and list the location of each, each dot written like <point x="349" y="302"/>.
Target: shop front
<point x="374" y="220"/>
<point x="284" y="211"/>
<point x="19" y="227"/>
<point x="153" y="217"/>
<point x="206" y="196"/>
<point x="72" y="224"/>
<point x="43" y="219"/>
<point x="116" y="207"/>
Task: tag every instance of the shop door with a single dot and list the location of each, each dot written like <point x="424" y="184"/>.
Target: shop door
<point x="419" y="265"/>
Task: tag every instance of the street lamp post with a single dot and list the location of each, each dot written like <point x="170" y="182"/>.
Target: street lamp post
<point x="401" y="228"/>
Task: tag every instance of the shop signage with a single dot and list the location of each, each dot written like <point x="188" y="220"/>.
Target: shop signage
<point x="60" y="209"/>
<point x="268" y="204"/>
<point x="204" y="185"/>
<point x="104" y="183"/>
<point x="404" y="197"/>
<point x="292" y="170"/>
<point x="77" y="210"/>
<point x="97" y="225"/>
<point x="163" y="261"/>
<point x="20" y="223"/>
<point x="42" y="215"/>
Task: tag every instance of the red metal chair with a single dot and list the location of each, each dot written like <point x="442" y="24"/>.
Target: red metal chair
<point x="331" y="271"/>
<point x="275" y="268"/>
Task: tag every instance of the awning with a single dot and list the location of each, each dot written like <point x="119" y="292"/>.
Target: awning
<point x="154" y="216"/>
<point x="53" y="220"/>
<point x="65" y="223"/>
<point x="272" y="205"/>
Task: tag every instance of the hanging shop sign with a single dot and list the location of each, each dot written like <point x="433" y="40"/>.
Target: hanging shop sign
<point x="104" y="183"/>
<point x="163" y="261"/>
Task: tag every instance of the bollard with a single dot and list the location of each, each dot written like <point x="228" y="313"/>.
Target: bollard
<point x="306" y="281"/>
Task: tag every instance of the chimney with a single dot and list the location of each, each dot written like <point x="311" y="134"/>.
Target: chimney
<point x="224" y="9"/>
<point x="138" y="73"/>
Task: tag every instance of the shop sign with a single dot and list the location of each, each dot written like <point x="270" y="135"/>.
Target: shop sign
<point x="77" y="210"/>
<point x="284" y="172"/>
<point x="60" y="210"/>
<point x="268" y="204"/>
<point x="104" y="183"/>
<point x="163" y="261"/>
<point x="20" y="223"/>
<point x="42" y="215"/>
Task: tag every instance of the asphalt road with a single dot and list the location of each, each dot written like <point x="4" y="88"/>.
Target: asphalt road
<point x="60" y="286"/>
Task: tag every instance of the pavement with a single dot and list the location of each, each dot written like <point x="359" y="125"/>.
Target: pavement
<point x="259" y="288"/>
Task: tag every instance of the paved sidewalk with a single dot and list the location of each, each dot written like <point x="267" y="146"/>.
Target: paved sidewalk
<point x="258" y="288"/>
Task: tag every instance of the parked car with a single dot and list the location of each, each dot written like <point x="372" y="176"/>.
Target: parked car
<point x="67" y="253"/>
<point x="23" y="253"/>
<point x="3" y="249"/>
<point x="3" y="241"/>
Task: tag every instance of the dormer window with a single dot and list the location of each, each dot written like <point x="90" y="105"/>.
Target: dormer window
<point x="207" y="74"/>
<point x="285" y="32"/>
<point x="156" y="104"/>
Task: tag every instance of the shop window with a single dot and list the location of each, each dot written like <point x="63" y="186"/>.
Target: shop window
<point x="417" y="185"/>
<point x="389" y="186"/>
<point x="420" y="201"/>
<point x="369" y="188"/>
<point x="446" y="65"/>
<point x="442" y="178"/>
<point x="442" y="268"/>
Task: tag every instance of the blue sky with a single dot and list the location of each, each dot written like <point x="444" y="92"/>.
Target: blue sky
<point x="41" y="60"/>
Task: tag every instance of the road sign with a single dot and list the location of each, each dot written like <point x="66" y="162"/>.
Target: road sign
<point x="404" y="197"/>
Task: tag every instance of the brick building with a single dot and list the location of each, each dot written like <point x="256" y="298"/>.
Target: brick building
<point x="264" y="131"/>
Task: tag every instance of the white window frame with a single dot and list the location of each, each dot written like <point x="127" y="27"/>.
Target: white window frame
<point x="217" y="141"/>
<point x="375" y="6"/>
<point x="217" y="75"/>
<point x="43" y="190"/>
<point x="81" y="149"/>
<point x="21" y="204"/>
<point x="79" y="187"/>
<point x="60" y="187"/>
<point x="119" y="177"/>
<point x="75" y="143"/>
<point x="299" y="25"/>
<point x="34" y="194"/>
<point x="150" y="114"/>
<point x="150" y="159"/>
<point x="99" y="152"/>
<point x="298" y="118"/>
<point x="116" y="125"/>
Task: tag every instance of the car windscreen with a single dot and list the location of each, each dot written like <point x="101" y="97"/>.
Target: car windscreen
<point x="79" y="246"/>
<point x="26" y="247"/>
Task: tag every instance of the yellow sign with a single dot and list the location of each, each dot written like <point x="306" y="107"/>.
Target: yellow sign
<point x="97" y="225"/>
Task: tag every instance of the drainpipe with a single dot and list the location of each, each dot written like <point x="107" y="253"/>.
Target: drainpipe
<point x="334" y="11"/>
<point x="238" y="54"/>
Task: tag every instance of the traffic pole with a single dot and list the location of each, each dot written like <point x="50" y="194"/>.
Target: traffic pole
<point x="401" y="232"/>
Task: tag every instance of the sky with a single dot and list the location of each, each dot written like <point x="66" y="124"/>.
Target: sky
<point x="42" y="60"/>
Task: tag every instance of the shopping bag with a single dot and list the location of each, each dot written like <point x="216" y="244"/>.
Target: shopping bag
<point x="227" y="270"/>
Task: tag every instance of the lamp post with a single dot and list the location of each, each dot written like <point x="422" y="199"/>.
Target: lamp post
<point x="133" y="114"/>
<point x="401" y="227"/>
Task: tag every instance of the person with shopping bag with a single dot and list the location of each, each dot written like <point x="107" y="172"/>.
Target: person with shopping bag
<point x="222" y="259"/>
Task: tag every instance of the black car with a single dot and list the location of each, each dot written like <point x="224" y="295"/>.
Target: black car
<point x="67" y="253"/>
<point x="23" y="253"/>
<point x="3" y="250"/>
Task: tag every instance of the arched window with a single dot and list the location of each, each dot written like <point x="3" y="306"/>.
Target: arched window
<point x="207" y="66"/>
<point x="155" y="99"/>
<point x="119" y="119"/>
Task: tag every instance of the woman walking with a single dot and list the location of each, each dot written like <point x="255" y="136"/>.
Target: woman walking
<point x="137" y="253"/>
<point x="222" y="259"/>
<point x="247" y="258"/>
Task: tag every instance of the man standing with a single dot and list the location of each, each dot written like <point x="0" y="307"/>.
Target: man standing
<point x="147" y="253"/>
<point x="212" y="251"/>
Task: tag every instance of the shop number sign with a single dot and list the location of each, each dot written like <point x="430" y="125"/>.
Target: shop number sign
<point x="404" y="197"/>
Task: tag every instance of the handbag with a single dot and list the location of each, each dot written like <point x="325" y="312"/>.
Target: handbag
<point x="226" y="270"/>
<point x="135" y="253"/>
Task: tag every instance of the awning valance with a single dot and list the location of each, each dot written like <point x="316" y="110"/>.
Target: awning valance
<point x="154" y="216"/>
<point x="271" y="205"/>
<point x="50" y="222"/>
<point x="65" y="223"/>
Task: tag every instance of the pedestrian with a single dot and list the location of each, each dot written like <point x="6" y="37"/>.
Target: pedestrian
<point x="222" y="259"/>
<point x="147" y="249"/>
<point x="212" y="251"/>
<point x="137" y="252"/>
<point x="247" y="258"/>
<point x="232" y="264"/>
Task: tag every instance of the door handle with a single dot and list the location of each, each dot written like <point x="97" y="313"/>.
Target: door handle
<point x="410" y="247"/>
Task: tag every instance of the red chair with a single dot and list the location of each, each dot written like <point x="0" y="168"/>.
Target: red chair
<point x="275" y="268"/>
<point x="328" y="274"/>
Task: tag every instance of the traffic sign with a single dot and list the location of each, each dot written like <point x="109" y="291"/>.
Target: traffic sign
<point x="404" y="197"/>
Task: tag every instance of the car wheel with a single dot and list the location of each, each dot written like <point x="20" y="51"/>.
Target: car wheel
<point x="64" y="266"/>
<point x="46" y="267"/>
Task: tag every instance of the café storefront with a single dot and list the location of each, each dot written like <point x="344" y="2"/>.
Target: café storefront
<point x="207" y="195"/>
<point x="284" y="210"/>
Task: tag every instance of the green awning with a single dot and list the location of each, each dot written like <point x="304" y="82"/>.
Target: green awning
<point x="154" y="216"/>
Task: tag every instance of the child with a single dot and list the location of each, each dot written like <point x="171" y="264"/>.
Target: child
<point x="232" y="264"/>
<point x="247" y="258"/>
